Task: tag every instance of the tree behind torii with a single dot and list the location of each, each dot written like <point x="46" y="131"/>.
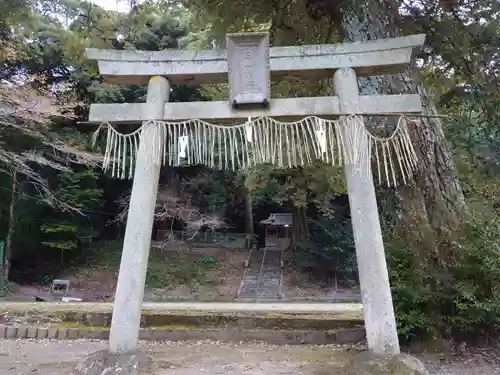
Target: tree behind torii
<point x="436" y="197"/>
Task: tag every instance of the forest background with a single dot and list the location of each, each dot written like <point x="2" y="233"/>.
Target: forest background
<point x="442" y="232"/>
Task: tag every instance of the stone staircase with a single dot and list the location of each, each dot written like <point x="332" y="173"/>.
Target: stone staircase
<point x="262" y="278"/>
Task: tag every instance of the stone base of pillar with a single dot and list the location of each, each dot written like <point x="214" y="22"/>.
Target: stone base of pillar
<point x="367" y="363"/>
<point x="105" y="362"/>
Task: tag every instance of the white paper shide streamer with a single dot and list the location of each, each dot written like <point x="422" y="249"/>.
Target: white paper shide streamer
<point x="248" y="130"/>
<point x="265" y="141"/>
<point x="320" y="132"/>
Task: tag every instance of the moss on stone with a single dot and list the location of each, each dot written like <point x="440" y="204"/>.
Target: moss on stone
<point x="99" y="314"/>
<point x="78" y="325"/>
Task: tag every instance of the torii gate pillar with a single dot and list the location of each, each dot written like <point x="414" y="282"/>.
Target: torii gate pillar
<point x="127" y="308"/>
<point x="380" y="322"/>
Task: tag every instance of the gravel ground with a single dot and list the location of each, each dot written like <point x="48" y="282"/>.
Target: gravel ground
<point x="212" y="358"/>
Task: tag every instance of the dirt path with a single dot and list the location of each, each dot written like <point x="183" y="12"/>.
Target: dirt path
<point x="210" y="358"/>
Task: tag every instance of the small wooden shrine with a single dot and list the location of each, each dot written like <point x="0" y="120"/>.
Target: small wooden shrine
<point x="278" y="228"/>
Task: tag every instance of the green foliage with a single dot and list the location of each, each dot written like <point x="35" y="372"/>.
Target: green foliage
<point x="47" y="49"/>
<point x="330" y="247"/>
<point x="299" y="186"/>
<point x="65" y="231"/>
<point x="211" y="191"/>
<point x="411" y="292"/>
<point x="80" y="189"/>
<point x="178" y="268"/>
<point x="106" y="254"/>
<point x="459" y="302"/>
<point x="476" y="301"/>
<point x="164" y="268"/>
<point x="62" y="230"/>
<point x="207" y="260"/>
<point x="456" y="295"/>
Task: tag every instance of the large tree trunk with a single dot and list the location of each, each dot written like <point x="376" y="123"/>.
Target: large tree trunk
<point x="10" y="229"/>
<point x="434" y="203"/>
<point x="249" y="229"/>
<point x="300" y="226"/>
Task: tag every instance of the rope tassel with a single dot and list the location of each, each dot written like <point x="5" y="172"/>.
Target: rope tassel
<point x="264" y="140"/>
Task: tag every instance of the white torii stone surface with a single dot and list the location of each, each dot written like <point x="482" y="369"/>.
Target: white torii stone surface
<point x="380" y="321"/>
<point x="129" y="295"/>
<point x="380" y="56"/>
<point x="284" y="109"/>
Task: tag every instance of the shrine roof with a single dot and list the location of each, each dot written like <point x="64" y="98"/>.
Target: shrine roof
<point x="279" y="219"/>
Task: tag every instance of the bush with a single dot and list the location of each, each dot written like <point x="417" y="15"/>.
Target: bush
<point x="451" y="291"/>
<point x="411" y="293"/>
<point x="330" y="246"/>
<point x="461" y="301"/>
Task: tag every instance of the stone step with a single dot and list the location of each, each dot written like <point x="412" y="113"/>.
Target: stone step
<point x="268" y="292"/>
<point x="262" y="281"/>
<point x="285" y="336"/>
<point x="262" y="275"/>
<point x="272" y="275"/>
<point x="269" y="287"/>
<point x="260" y="287"/>
<point x="262" y="278"/>
<point x="255" y="294"/>
<point x="260" y="300"/>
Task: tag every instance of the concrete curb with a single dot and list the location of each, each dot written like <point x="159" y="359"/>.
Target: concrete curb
<point x="276" y="337"/>
<point x="33" y="332"/>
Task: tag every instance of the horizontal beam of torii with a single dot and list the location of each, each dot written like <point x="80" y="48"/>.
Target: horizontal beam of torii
<point x="302" y="62"/>
<point x="367" y="58"/>
<point x="284" y="109"/>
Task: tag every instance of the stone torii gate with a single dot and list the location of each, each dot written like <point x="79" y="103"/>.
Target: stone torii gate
<point x="248" y="65"/>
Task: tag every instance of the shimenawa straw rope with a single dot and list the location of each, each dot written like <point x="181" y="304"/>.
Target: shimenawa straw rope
<point x="264" y="140"/>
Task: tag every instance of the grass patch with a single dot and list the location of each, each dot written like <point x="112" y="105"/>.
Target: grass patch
<point x="106" y="255"/>
<point x="79" y="325"/>
<point x="183" y="267"/>
<point x="300" y="282"/>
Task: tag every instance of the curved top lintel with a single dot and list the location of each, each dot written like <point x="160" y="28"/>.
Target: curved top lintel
<point x="210" y="66"/>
